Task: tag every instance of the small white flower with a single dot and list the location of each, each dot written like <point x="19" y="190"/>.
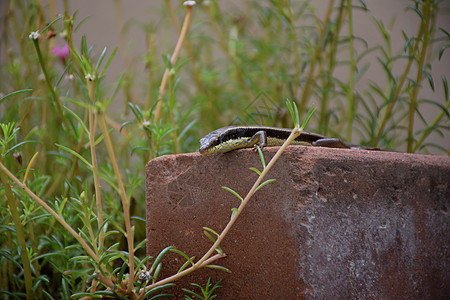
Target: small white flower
<point x="146" y="124"/>
<point x="189" y="3"/>
<point x="89" y="77"/>
<point x="34" y="35"/>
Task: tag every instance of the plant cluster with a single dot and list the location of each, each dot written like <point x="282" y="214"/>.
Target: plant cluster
<point x="72" y="156"/>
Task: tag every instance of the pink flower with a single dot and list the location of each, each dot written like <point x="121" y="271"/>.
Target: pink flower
<point x="61" y="52"/>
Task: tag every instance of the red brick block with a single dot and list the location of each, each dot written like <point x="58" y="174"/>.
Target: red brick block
<point x="336" y="223"/>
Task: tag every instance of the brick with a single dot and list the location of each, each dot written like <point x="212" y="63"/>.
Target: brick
<point x="336" y="223"/>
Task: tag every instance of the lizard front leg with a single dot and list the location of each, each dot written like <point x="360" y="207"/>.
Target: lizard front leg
<point x="258" y="139"/>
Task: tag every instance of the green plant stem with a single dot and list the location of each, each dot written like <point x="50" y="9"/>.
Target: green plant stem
<point x="413" y="104"/>
<point x="97" y="187"/>
<point x="35" y="263"/>
<point x="351" y="86"/>
<point x="328" y="82"/>
<point x="196" y="73"/>
<point x="173" y="60"/>
<point x="427" y="132"/>
<point x="307" y="89"/>
<point x="123" y="195"/>
<point x="172" y="108"/>
<point x="180" y="274"/>
<point x="294" y="39"/>
<point x="151" y="50"/>
<point x="393" y="100"/>
<point x="18" y="32"/>
<point x="52" y="90"/>
<point x="13" y="208"/>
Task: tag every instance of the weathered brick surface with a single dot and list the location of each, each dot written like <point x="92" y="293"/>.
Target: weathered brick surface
<point x="337" y="224"/>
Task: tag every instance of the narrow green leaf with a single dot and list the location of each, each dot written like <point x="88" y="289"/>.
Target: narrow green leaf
<point x="126" y="124"/>
<point x="49" y="255"/>
<point x="6" y="254"/>
<point x="157" y="271"/>
<point x="418" y="12"/>
<point x="309" y="115"/>
<point x="118" y="86"/>
<point x="136" y="111"/>
<point x="187" y="263"/>
<point x="75" y="153"/>
<point x="80" y="257"/>
<point x="233" y="192"/>
<point x="256" y="171"/>
<point x="192" y="293"/>
<point x="292" y="107"/>
<point x="387" y="69"/>
<point x="109" y="62"/>
<point x="100" y="138"/>
<point x="364" y="5"/>
<point x="111" y="294"/>
<point x="408" y="42"/>
<point x="297" y="115"/>
<point x="100" y="59"/>
<point x="15" y="93"/>
<point x="63" y="73"/>
<point x="140" y="245"/>
<point x="445" y="32"/>
<point x="85" y="294"/>
<point x="234" y="211"/>
<point x="264" y="183"/>
<point x="166" y="59"/>
<point x="19" y="145"/>
<point x="178" y="67"/>
<point x="445" y="85"/>
<point x="78" y="118"/>
<point x="84" y="50"/>
<point x="440" y="106"/>
<point x="430" y="79"/>
<point x="219" y="268"/>
<point x="209" y="236"/>
<point x="441" y="52"/>
<point x="157" y="289"/>
<point x="81" y="22"/>
<point x="79" y="60"/>
<point x="160" y="256"/>
<point x="122" y="272"/>
<point x="50" y="24"/>
<point x="76" y="102"/>
<point x="211" y="230"/>
<point x="219" y="250"/>
<point x="186" y="128"/>
<point x="180" y="253"/>
<point x="162" y="296"/>
<point x="261" y="157"/>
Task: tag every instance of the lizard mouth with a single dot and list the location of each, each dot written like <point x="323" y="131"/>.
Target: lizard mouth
<point x="203" y="150"/>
